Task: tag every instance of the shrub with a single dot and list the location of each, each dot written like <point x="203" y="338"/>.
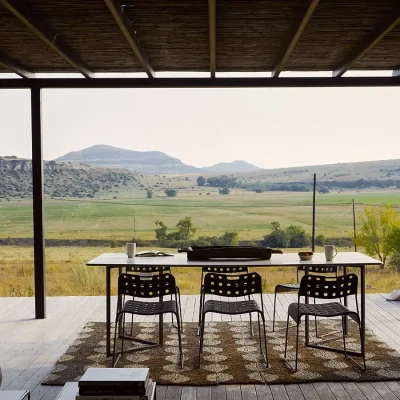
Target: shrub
<point x="114" y="243"/>
<point x="320" y="240"/>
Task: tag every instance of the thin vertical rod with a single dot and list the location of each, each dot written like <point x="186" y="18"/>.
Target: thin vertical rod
<point x="354" y="226"/>
<point x="313" y="215"/>
<point x="38" y="205"/>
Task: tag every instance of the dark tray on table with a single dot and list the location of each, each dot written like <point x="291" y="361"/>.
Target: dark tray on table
<point x="204" y="253"/>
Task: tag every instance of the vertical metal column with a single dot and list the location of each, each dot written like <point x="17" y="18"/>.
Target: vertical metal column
<point x="313" y="214"/>
<point x="38" y="205"/>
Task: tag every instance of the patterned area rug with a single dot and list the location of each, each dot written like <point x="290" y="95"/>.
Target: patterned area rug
<point x="230" y="355"/>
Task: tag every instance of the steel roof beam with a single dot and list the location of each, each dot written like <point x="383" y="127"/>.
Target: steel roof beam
<point x="15" y="66"/>
<point x="301" y="23"/>
<point x="53" y="39"/>
<point x="199" y="83"/>
<point x="212" y="29"/>
<point x="130" y="34"/>
<point x="380" y="31"/>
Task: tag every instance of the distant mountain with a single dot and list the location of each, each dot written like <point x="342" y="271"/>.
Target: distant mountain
<point x="150" y="162"/>
<point x="234" y="166"/>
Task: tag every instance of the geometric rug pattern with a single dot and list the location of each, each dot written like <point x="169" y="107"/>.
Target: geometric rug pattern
<point x="231" y="355"/>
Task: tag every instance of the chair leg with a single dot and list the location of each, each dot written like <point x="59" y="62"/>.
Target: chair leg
<point x="200" y="311"/>
<point x="123" y="334"/>
<point x="251" y="325"/>
<point x="132" y="326"/>
<point x="259" y="331"/>
<point x="202" y="323"/>
<point x="117" y="320"/>
<point x="178" y="324"/>
<point x="273" y="317"/>
<point x="316" y="326"/>
<point x="344" y="337"/>
<point x="287" y="332"/>
<point x="362" y="344"/>
<point x="265" y="340"/>
<point x="180" y="309"/>
<point x="297" y="346"/>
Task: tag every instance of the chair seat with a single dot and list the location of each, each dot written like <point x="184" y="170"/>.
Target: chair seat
<point x="149" y="308"/>
<point x="320" y="310"/>
<point x="231" y="307"/>
<point x="287" y="287"/>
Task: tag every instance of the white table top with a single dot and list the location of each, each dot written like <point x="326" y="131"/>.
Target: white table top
<point x="277" y="260"/>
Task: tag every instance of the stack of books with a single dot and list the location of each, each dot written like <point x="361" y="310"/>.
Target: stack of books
<point x="116" y="384"/>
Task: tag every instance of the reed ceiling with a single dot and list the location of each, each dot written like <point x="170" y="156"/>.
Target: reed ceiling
<point x="176" y="35"/>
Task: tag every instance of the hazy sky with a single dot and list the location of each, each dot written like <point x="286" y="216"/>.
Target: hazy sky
<point x="267" y="127"/>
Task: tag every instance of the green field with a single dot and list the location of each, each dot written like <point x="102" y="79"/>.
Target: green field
<point x="248" y="213"/>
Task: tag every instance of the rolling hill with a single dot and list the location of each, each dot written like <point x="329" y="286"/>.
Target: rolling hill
<point x="149" y="162"/>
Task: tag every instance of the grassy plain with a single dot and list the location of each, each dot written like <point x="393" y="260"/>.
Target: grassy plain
<point x="67" y="274"/>
<point x="248" y="213"/>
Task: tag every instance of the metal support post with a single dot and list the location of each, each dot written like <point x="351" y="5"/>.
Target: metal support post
<point x="38" y="205"/>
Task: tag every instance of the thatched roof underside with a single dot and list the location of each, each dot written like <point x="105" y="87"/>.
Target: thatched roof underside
<point x="174" y="35"/>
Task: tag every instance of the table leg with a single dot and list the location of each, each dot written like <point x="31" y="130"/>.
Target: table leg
<point x="362" y="271"/>
<point x="161" y="321"/>
<point x="307" y="318"/>
<point x="108" y="311"/>
<point x="345" y="301"/>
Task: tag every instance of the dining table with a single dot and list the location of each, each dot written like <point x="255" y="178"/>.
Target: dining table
<point x="343" y="259"/>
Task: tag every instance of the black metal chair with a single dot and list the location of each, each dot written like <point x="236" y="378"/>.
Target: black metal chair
<point x="321" y="287"/>
<point x="221" y="269"/>
<point x="233" y="286"/>
<point x="145" y="287"/>
<point x="156" y="269"/>
<point x="294" y="287"/>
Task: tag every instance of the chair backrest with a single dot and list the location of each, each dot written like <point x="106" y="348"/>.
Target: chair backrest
<point x="324" y="269"/>
<point x="233" y="285"/>
<point x="221" y="269"/>
<point x="322" y="287"/>
<point x="313" y="269"/>
<point x="146" y="286"/>
<point x="148" y="269"/>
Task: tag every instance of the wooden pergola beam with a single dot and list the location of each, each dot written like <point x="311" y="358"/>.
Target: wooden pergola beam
<point x="396" y="72"/>
<point x="130" y="34"/>
<point x="53" y="39"/>
<point x="380" y="31"/>
<point x="15" y="66"/>
<point x="304" y="17"/>
<point x="212" y="29"/>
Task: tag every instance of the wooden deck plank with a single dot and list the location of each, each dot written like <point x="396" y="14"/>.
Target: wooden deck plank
<point x="394" y="387"/>
<point x="233" y="392"/>
<point x="188" y="392"/>
<point x="173" y="392"/>
<point x="354" y="391"/>
<point x="279" y="392"/>
<point x="294" y="392"/>
<point x="309" y="391"/>
<point x="369" y="391"/>
<point x="248" y="392"/>
<point x="264" y="392"/>
<point x="218" y="392"/>
<point x="323" y="390"/>
<point x="203" y="393"/>
<point x="339" y="391"/>
<point x="161" y="392"/>
<point x="383" y="390"/>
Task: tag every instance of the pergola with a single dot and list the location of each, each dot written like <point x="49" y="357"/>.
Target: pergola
<point x="150" y="36"/>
